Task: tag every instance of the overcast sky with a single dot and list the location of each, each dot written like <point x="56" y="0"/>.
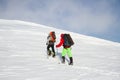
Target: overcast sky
<point x="99" y="18"/>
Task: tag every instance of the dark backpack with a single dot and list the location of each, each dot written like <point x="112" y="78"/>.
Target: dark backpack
<point x="68" y="41"/>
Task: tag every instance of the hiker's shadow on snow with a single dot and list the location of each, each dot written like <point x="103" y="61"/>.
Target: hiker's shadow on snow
<point x="60" y="57"/>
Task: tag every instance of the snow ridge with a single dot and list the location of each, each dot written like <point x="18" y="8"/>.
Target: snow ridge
<point x="23" y="55"/>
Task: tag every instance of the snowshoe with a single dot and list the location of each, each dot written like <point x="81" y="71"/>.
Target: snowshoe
<point x="70" y="63"/>
<point x="63" y="59"/>
<point x="53" y="55"/>
<point x="49" y="53"/>
<point x="63" y="62"/>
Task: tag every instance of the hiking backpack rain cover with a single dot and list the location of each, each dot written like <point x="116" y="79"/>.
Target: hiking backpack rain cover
<point x="53" y="36"/>
<point x="68" y="41"/>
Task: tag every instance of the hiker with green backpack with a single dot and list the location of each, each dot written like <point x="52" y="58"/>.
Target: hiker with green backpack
<point x="66" y="41"/>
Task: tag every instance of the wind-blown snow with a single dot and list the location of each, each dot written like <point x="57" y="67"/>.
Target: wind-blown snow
<point x="23" y="55"/>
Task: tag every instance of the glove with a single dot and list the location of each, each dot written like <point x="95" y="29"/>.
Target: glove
<point x="56" y="46"/>
<point x="46" y="43"/>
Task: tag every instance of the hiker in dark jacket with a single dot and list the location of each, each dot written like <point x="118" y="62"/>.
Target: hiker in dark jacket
<point x="66" y="49"/>
<point x="50" y="44"/>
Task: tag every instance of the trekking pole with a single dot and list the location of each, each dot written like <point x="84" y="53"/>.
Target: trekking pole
<point x="57" y="50"/>
<point x="57" y="56"/>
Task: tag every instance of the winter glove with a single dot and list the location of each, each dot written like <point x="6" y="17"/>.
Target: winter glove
<point x="46" y="43"/>
<point x="56" y="46"/>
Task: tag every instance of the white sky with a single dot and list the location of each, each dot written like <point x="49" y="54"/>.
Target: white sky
<point x="93" y="17"/>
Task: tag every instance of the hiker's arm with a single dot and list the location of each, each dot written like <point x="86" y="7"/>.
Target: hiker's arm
<point x="60" y="44"/>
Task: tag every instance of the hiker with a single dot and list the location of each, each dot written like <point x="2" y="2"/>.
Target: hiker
<point x="66" y="49"/>
<point x="51" y="39"/>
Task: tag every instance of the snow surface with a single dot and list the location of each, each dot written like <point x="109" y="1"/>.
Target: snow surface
<point x="23" y="55"/>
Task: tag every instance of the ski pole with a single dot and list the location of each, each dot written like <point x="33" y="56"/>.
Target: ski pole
<point x="57" y="56"/>
<point x="57" y="50"/>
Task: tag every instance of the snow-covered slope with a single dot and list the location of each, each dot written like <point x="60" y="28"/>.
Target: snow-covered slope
<point x="23" y="55"/>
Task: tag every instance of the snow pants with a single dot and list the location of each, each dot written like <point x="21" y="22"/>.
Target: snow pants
<point x="52" y="47"/>
<point x="67" y="51"/>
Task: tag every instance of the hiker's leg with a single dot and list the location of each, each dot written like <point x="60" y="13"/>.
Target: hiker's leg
<point x="48" y="47"/>
<point x="48" y="50"/>
<point x="52" y="46"/>
<point x="53" y="50"/>
<point x="63" y="55"/>
<point x="70" y="56"/>
<point x="64" y="51"/>
<point x="69" y="52"/>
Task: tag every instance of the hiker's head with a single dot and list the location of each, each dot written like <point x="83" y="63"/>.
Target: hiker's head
<point x="62" y="35"/>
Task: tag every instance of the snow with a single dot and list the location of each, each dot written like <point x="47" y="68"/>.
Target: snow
<point x="23" y="55"/>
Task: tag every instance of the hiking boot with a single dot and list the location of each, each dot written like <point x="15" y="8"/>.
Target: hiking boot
<point x="63" y="62"/>
<point x="53" y="55"/>
<point x="63" y="59"/>
<point x="49" y="53"/>
<point x="71" y="61"/>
